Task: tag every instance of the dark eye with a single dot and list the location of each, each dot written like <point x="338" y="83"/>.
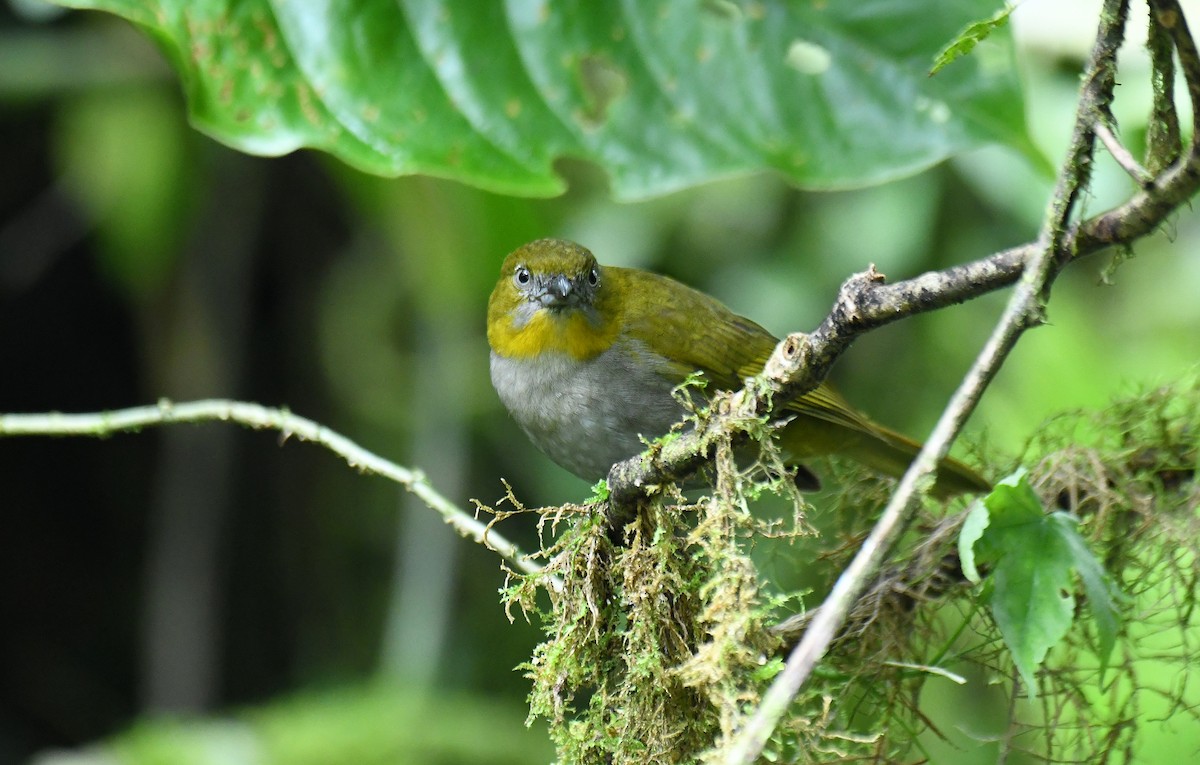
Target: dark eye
<point x="594" y="276"/>
<point x="522" y="276"/>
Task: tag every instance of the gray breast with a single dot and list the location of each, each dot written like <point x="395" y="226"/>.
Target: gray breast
<point x="587" y="415"/>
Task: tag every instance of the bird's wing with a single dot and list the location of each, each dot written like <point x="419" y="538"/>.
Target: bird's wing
<point x="688" y="331"/>
<point x="685" y="331"/>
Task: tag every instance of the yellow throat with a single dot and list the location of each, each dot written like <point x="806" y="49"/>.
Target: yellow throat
<point x="568" y="332"/>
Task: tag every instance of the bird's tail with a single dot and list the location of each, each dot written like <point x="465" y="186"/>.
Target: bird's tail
<point x="828" y="425"/>
<point x="891" y="453"/>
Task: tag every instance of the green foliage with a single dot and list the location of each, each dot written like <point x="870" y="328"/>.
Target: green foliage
<point x="661" y="96"/>
<point x="970" y="36"/>
<point x="1128" y="472"/>
<point x="367" y="725"/>
<point x="1031" y="555"/>
<point x="599" y="491"/>
<point x="130" y="188"/>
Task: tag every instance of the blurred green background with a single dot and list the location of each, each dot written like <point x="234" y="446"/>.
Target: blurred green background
<point x="205" y="570"/>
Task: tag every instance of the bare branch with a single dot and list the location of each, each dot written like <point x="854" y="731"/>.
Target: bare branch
<point x="101" y="424"/>
<point x="1169" y="16"/>
<point x="1139" y="174"/>
<point x="1163" y="143"/>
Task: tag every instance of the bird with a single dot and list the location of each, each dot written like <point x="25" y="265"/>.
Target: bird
<point x="586" y="357"/>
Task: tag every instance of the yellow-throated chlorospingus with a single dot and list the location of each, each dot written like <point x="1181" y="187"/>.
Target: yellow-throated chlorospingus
<point x="585" y="358"/>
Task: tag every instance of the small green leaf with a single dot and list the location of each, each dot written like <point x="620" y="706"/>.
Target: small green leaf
<point x="599" y="491"/>
<point x="1032" y="600"/>
<point x="972" y="529"/>
<point x="769" y="670"/>
<point x="969" y="37"/>
<point x="1102" y="591"/>
<point x="1032" y="556"/>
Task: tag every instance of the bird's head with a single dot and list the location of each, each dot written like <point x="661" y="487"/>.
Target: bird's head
<point x="552" y="296"/>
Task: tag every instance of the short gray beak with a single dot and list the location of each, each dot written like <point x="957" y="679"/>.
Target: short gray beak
<point x="559" y="289"/>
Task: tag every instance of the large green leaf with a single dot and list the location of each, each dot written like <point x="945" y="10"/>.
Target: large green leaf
<point x="662" y="95"/>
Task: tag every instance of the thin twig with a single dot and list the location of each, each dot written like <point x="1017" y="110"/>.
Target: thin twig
<point x="1010" y="732"/>
<point x="1163" y="143"/>
<point x="289" y="425"/>
<point x="1169" y="15"/>
<point x="1122" y="156"/>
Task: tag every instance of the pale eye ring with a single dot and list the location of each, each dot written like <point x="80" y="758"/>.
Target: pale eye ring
<point x="522" y="277"/>
<point x="594" y="276"/>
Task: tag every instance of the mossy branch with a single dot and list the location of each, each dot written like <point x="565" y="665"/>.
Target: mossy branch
<point x="289" y="425"/>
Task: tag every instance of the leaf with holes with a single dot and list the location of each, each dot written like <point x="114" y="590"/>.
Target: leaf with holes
<point x="662" y="95"/>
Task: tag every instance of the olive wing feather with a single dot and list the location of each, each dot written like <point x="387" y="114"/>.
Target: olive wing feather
<point x="690" y="331"/>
